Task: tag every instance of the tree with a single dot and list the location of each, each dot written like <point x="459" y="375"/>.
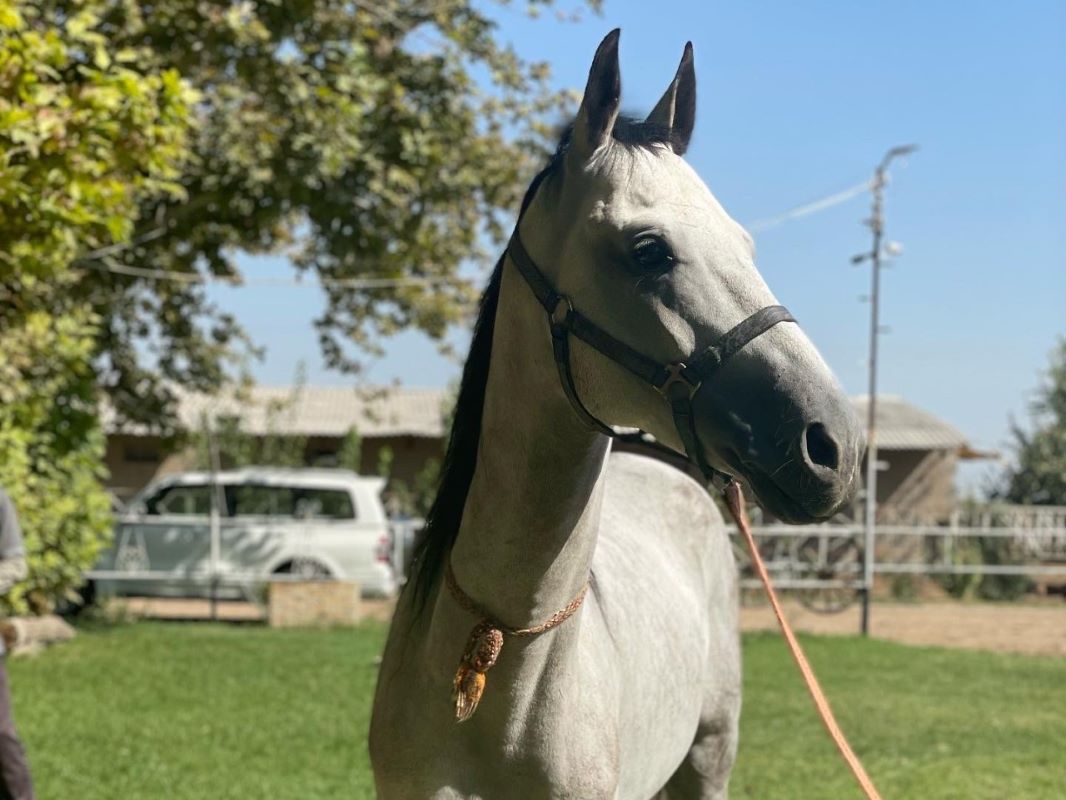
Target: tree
<point x="354" y="137"/>
<point x="1039" y="474"/>
<point x="350" y="453"/>
<point x="139" y="138"/>
<point x="87" y="133"/>
<point x="224" y="442"/>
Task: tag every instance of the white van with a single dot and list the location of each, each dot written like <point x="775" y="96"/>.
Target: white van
<point x="316" y="523"/>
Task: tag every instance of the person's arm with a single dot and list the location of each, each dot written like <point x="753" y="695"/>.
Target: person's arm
<point x="12" y="570"/>
<point x="12" y="555"/>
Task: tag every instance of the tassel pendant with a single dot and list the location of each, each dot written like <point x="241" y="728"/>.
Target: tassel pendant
<point x="482" y="649"/>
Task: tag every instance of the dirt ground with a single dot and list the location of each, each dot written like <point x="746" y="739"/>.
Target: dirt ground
<point x="1002" y="627"/>
<point x="1018" y="627"/>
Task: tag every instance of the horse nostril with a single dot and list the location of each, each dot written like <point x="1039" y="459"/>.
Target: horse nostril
<point x="821" y="447"/>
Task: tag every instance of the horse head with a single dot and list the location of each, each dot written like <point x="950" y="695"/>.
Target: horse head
<point x="627" y="233"/>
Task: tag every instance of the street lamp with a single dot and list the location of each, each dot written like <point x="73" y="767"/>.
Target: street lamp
<point x="877" y="224"/>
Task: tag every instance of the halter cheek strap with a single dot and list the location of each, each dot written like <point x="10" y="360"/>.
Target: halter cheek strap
<point x="678" y="382"/>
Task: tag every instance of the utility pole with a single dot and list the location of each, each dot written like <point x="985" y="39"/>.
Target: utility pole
<point x="877" y="226"/>
<point x="215" y="521"/>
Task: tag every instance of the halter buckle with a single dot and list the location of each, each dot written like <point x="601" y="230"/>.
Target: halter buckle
<point x="563" y="305"/>
<point x="675" y="375"/>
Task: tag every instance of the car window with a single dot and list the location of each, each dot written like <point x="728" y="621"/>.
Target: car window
<point x="323" y="504"/>
<point x="180" y="500"/>
<point x="260" y="500"/>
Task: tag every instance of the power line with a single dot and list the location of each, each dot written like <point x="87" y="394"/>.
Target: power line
<point x="350" y="283"/>
<point x="810" y="208"/>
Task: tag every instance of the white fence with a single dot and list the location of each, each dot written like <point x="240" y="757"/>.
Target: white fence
<point x="823" y="563"/>
<point x="829" y="556"/>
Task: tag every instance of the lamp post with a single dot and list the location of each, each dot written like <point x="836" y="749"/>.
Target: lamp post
<point x="877" y="225"/>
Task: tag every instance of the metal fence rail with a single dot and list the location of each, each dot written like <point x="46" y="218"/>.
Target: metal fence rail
<point x="1041" y="551"/>
<point x="825" y="558"/>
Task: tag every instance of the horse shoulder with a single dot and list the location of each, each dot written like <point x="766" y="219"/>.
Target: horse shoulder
<point x="663" y="532"/>
<point x="682" y="509"/>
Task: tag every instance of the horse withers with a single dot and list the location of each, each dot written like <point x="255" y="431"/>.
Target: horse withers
<point x="640" y="307"/>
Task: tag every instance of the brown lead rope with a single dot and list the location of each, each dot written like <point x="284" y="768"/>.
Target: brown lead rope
<point x="734" y="498"/>
<point x="485" y="643"/>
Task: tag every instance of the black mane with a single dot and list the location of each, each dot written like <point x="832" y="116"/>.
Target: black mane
<point x="460" y="459"/>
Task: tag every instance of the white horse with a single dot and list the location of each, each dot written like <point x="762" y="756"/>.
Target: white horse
<point x="638" y="693"/>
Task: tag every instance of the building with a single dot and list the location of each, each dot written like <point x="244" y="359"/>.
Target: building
<point x="918" y="452"/>
<point x="409" y="422"/>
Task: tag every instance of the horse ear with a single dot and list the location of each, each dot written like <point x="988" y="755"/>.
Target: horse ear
<point x="675" y="112"/>
<point x="599" y="107"/>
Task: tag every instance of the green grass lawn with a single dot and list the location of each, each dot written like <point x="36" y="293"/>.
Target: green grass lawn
<point x="177" y="711"/>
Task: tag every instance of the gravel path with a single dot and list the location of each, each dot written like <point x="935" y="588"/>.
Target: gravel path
<point x="1016" y="628"/>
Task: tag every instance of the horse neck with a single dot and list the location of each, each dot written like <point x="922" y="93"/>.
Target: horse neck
<point x="529" y="527"/>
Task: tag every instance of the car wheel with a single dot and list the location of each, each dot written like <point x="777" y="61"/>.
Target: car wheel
<point x="307" y="569"/>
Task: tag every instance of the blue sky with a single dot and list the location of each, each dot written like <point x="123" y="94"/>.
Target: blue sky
<point x="797" y="101"/>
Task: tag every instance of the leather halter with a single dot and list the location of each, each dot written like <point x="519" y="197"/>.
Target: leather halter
<point x="678" y="382"/>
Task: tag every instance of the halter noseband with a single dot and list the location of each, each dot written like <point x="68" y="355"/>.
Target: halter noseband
<point x="678" y="382"/>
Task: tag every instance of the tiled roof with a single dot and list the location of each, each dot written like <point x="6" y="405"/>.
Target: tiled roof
<point x="318" y="411"/>
<point x="901" y="426"/>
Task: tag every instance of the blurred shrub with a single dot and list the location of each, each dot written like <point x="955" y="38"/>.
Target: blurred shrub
<point x="414" y="499"/>
<point x="1001" y="550"/>
<point x="226" y="443"/>
<point x="84" y="137"/>
<point x="904" y="587"/>
<point x="51" y="452"/>
<point x="986" y="550"/>
<point x="982" y="550"/>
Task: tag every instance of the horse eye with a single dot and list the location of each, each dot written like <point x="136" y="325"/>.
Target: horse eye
<point x="652" y="253"/>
